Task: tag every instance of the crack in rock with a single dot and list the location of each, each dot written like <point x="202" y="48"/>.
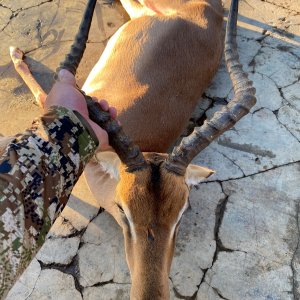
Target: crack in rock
<point x="24" y="285"/>
<point x="260" y="172"/>
<point x="16" y="12"/>
<point x="219" y="212"/>
<point x="232" y="161"/>
<point x="281" y="6"/>
<point x="218" y="293"/>
<point x="286" y="127"/>
<point x="296" y="292"/>
<point x="71" y="269"/>
<point x="179" y="296"/>
<point x="26" y="8"/>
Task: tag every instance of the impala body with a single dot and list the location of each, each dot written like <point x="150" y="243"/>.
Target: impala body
<point x="153" y="70"/>
<point x="156" y="67"/>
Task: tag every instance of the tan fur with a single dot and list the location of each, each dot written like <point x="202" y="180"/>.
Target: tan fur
<point x="181" y="52"/>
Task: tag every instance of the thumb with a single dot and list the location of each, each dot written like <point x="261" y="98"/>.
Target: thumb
<point x="65" y="76"/>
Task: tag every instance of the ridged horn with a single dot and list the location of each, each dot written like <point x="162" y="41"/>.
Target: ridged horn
<point x="128" y="152"/>
<point x="243" y="100"/>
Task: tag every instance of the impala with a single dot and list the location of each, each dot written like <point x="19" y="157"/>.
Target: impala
<point x="154" y="70"/>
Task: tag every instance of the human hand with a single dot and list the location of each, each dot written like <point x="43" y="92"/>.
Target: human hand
<point x="64" y="93"/>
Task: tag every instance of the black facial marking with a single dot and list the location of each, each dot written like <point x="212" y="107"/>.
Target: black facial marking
<point x="155" y="175"/>
<point x="120" y="208"/>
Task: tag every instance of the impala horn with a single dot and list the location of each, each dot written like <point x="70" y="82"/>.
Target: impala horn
<point x="128" y="152"/>
<point x="243" y="100"/>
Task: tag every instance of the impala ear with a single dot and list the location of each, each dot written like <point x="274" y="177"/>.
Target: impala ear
<point x="195" y="174"/>
<point x="110" y="163"/>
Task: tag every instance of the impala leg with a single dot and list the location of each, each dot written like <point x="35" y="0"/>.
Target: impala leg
<point x="135" y="9"/>
<point x="22" y="68"/>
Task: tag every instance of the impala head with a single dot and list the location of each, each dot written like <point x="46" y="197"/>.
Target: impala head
<point x="153" y="188"/>
<point x="149" y="204"/>
<point x="152" y="202"/>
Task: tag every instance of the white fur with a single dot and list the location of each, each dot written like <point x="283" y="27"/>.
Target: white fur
<point x="195" y="174"/>
<point x="178" y="219"/>
<point x="131" y="224"/>
<point x="110" y="163"/>
<point x="90" y="85"/>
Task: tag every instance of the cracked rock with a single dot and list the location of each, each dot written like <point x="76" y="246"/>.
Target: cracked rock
<point x="296" y="263"/>
<point x="61" y="228"/>
<point x="79" y="212"/>
<point x="292" y="95"/>
<point x="102" y="257"/>
<point x="247" y="276"/>
<point x="5" y="15"/>
<point x="23" y="30"/>
<point x="259" y="229"/>
<point x="107" y="292"/>
<point x="102" y="229"/>
<point x="261" y="216"/>
<point x="247" y="49"/>
<point x="255" y="16"/>
<point x="207" y="292"/>
<point x="202" y="105"/>
<point x="276" y="41"/>
<point x="282" y="67"/>
<point x="53" y="284"/>
<point x="22" y="5"/>
<point x="259" y="142"/>
<point x="105" y="22"/>
<point x="195" y="244"/>
<point x="224" y="167"/>
<point x="26" y="283"/>
<point x="221" y="84"/>
<point x="264" y="88"/>
<point x="289" y="5"/>
<point x="290" y="118"/>
<point x="58" y="250"/>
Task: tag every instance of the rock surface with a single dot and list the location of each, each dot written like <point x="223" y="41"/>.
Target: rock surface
<point x="53" y="284"/>
<point x="58" y="251"/>
<point x="107" y="292"/>
<point x="240" y="237"/>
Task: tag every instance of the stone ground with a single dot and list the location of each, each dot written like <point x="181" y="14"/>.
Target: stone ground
<point x="240" y="238"/>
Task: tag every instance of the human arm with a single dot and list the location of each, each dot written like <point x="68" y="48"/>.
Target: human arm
<point x="38" y="170"/>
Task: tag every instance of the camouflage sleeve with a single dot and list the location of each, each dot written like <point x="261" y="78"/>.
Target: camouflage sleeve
<point x="38" y="170"/>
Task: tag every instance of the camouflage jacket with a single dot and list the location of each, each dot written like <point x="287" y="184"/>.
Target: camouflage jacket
<point x="38" y="170"/>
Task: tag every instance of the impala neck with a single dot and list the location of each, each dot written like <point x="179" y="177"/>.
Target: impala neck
<point x="149" y="264"/>
<point x="149" y="285"/>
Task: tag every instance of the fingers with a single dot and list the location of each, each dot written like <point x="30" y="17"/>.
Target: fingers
<point x="65" y="76"/>
<point x="113" y="112"/>
<point x="105" y="106"/>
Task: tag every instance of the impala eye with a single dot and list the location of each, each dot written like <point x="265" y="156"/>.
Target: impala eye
<point x="120" y="208"/>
